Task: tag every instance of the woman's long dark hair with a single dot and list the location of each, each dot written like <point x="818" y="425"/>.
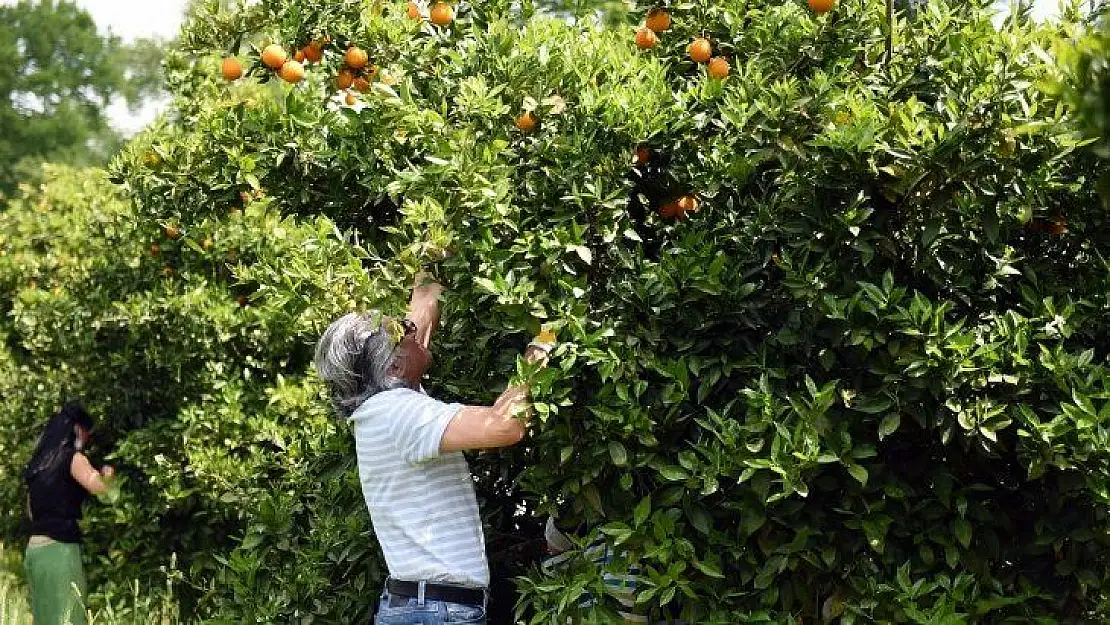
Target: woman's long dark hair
<point x="58" y="439"/>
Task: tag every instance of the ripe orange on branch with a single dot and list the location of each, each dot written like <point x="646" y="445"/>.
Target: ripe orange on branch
<point x="345" y="79"/>
<point x="700" y="50"/>
<point x="669" y="209"/>
<point x="292" y="72"/>
<point x="274" y="56"/>
<point x="442" y="14"/>
<point x="687" y="204"/>
<point x="658" y="20"/>
<point x="362" y="84"/>
<point x="646" y="38"/>
<point x="526" y="122"/>
<point x="718" y="68"/>
<point x="413" y="11"/>
<point x="821" y="6"/>
<point x="314" y="52"/>
<point x="356" y="58"/>
<point x="231" y="68"/>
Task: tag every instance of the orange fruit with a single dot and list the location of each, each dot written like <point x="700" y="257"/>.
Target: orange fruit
<point x="669" y="209"/>
<point x="442" y="14"/>
<point x="413" y="11"/>
<point x="356" y="58"/>
<point x="172" y="232"/>
<point x="314" y="52"/>
<point x="345" y="79"/>
<point x="687" y="204"/>
<point x="350" y="99"/>
<point x="658" y="20"/>
<point x="718" y="67"/>
<point x="643" y="154"/>
<point x="231" y="68"/>
<point x="292" y="72"/>
<point x="299" y="56"/>
<point x="274" y="56"/>
<point x="700" y="50"/>
<point x="821" y="6"/>
<point x="362" y="84"/>
<point x="646" y="39"/>
<point x="526" y="122"/>
<point x="547" y="335"/>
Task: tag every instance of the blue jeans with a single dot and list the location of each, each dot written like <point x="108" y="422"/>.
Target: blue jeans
<point x="408" y="611"/>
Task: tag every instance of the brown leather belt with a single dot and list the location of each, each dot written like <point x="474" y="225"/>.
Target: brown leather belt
<point x="437" y="592"/>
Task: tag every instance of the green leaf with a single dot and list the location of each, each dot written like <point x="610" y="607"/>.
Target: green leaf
<point x="872" y="405"/>
<point x="673" y="473"/>
<point x="962" y="528"/>
<point x="618" y="453"/>
<point x="642" y="511"/>
<point x="889" y="425"/>
<point x="709" y="569"/>
<point x="699" y="518"/>
<point x="583" y="252"/>
<point x="859" y="473"/>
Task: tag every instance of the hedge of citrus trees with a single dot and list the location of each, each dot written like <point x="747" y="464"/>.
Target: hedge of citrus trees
<point x="1090" y="82"/>
<point x="830" y="294"/>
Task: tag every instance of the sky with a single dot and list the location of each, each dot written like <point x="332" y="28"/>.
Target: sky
<point x="130" y="19"/>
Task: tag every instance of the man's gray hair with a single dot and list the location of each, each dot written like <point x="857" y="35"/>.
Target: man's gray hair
<point x="353" y="357"/>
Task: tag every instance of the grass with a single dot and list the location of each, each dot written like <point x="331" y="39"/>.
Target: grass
<point x="131" y="608"/>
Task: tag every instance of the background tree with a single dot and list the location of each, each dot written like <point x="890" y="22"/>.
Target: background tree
<point x="61" y="75"/>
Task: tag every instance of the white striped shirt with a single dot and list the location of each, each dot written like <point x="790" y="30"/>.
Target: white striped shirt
<point x="421" y="502"/>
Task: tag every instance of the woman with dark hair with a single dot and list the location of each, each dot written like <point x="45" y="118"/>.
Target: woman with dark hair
<point x="59" y="478"/>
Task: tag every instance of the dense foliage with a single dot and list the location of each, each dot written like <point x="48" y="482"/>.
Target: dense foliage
<point x="866" y="379"/>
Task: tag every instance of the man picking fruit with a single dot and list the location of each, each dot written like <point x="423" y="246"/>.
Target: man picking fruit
<point x="414" y="477"/>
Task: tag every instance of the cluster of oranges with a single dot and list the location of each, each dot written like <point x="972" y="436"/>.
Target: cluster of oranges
<point x="356" y="73"/>
<point x="700" y="49"/>
<point x="274" y="56"/>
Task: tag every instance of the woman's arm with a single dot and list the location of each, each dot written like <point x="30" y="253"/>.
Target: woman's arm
<point x="92" y="480"/>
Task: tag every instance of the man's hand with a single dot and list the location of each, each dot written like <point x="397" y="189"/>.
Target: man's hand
<point x="536" y="353"/>
<point x="513" y="402"/>
<point x="424" y="307"/>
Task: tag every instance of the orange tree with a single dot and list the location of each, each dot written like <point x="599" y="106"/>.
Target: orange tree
<point x="832" y="327"/>
<point x="1090" y="82"/>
